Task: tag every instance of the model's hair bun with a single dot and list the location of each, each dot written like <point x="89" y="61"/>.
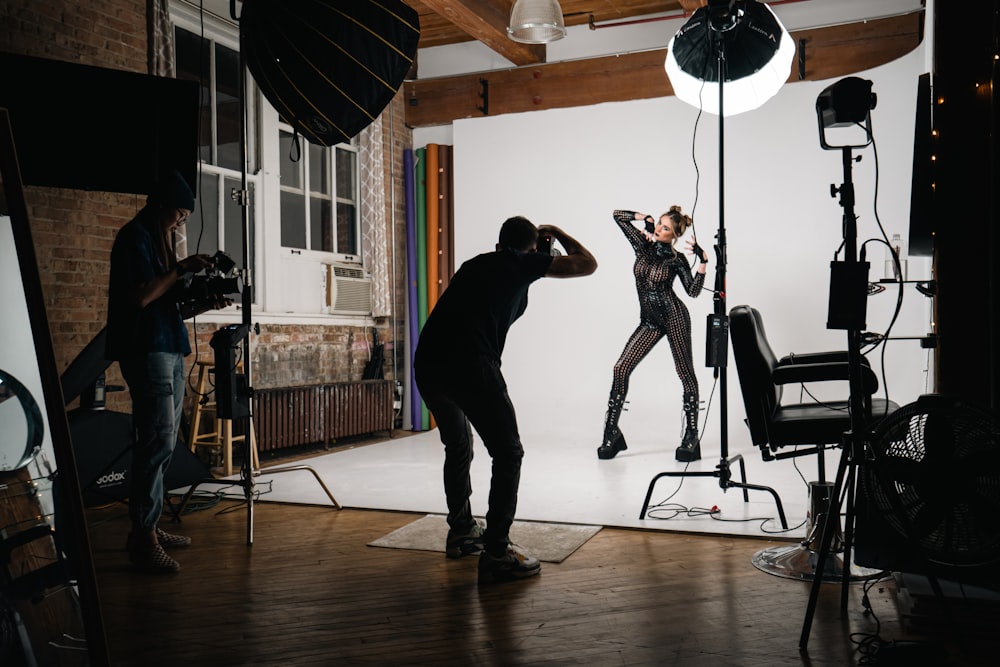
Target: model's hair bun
<point x="682" y="221"/>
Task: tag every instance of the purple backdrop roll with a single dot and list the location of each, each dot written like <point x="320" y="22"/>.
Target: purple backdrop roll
<point x="411" y="270"/>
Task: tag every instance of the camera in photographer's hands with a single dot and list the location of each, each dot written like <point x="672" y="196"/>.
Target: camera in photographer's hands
<point x="209" y="289"/>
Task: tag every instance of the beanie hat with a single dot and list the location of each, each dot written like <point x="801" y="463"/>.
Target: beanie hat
<point x="174" y="192"/>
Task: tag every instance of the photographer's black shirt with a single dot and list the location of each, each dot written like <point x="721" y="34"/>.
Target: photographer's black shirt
<point x="134" y="261"/>
<point x="470" y="320"/>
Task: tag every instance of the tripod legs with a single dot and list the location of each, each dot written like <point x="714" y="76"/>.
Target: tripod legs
<point x="830" y="528"/>
<point x="724" y="474"/>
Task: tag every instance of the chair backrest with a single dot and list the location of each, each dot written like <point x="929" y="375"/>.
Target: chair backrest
<point x="755" y="364"/>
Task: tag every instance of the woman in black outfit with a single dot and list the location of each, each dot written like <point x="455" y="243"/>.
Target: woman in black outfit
<point x="662" y="314"/>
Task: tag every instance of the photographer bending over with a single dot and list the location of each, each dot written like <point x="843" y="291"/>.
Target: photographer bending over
<point x="457" y="367"/>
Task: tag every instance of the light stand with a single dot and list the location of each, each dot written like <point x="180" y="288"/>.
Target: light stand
<point x="233" y="389"/>
<point x="847" y="103"/>
<point x="718" y="329"/>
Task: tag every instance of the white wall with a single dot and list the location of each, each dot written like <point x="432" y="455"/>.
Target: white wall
<point x="572" y="167"/>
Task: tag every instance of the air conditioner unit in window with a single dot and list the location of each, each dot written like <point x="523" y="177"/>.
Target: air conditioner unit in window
<point x="348" y="289"/>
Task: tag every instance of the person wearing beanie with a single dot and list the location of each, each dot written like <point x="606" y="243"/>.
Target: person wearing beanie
<point x="146" y="335"/>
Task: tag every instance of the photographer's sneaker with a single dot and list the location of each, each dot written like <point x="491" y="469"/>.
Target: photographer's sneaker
<point x="513" y="564"/>
<point x="469" y="543"/>
<point x="169" y="541"/>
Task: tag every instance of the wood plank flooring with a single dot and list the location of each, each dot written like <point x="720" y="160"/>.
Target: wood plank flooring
<point x="308" y="591"/>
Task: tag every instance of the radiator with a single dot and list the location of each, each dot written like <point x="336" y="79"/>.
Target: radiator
<point x="319" y="414"/>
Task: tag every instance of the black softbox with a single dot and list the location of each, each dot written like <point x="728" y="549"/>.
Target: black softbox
<point x="329" y="67"/>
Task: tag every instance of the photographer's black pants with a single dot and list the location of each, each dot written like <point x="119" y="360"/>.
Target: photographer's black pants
<point x="475" y="394"/>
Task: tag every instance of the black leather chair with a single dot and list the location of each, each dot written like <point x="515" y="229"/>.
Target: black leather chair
<point x="783" y="429"/>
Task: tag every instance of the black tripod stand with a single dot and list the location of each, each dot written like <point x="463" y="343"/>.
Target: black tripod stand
<point x="845" y="103"/>
<point x="718" y="341"/>
<point x="233" y="391"/>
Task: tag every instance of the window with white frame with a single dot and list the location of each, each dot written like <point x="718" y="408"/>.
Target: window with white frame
<point x="217" y="221"/>
<point x="319" y="197"/>
<point x="316" y="225"/>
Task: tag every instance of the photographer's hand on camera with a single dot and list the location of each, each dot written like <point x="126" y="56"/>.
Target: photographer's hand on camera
<point x="149" y="292"/>
<point x="193" y="264"/>
<point x="208" y="287"/>
<point x="578" y="261"/>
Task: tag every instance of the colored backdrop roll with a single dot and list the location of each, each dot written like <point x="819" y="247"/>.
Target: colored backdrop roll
<point x="433" y="225"/>
<point x="446" y="208"/>
<point x="413" y="312"/>
<point x="420" y="208"/>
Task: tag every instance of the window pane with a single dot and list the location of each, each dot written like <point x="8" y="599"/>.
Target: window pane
<point x="346" y="174"/>
<point x="228" y="109"/>
<point x="290" y="171"/>
<point x="347" y="232"/>
<point x="191" y="52"/>
<point x="321" y="224"/>
<point x="319" y="172"/>
<point x="293" y="215"/>
<point x="203" y="232"/>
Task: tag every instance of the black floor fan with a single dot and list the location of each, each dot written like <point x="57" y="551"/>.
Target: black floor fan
<point x="928" y="495"/>
<point x="844" y="110"/>
<point x="926" y="511"/>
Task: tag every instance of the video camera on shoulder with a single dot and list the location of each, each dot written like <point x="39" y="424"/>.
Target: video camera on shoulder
<point x="205" y="290"/>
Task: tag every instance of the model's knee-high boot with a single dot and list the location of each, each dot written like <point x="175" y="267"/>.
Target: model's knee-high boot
<point x="690" y="449"/>
<point x="613" y="441"/>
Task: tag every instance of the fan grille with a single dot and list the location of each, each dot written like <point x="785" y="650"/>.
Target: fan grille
<point x="934" y="475"/>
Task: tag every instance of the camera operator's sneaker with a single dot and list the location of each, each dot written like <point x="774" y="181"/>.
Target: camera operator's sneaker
<point x="469" y="543"/>
<point x="513" y="564"/>
<point x="152" y="558"/>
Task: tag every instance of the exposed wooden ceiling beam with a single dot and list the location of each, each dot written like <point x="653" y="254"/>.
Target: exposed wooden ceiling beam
<point x="826" y="52"/>
<point x="486" y="21"/>
<point x="691" y="5"/>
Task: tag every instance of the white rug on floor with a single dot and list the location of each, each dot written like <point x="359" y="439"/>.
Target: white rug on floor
<point x="550" y="542"/>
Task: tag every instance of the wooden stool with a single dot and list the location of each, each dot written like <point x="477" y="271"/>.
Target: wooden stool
<point x="222" y="429"/>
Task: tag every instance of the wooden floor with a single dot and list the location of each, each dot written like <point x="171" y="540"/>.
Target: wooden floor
<point x="308" y="591"/>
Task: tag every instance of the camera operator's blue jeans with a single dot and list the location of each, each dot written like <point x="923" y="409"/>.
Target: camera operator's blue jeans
<point x="476" y="394"/>
<point x="156" y="385"/>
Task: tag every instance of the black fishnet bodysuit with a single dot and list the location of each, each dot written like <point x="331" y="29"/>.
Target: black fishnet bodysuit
<point x="661" y="311"/>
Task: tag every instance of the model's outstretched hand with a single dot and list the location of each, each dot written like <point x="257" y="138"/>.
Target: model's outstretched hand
<point x="697" y="250"/>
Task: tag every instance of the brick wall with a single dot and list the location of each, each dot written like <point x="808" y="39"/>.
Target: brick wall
<point x="73" y="230"/>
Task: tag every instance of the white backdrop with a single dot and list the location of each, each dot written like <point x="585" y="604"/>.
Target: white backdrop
<point x="572" y="167"/>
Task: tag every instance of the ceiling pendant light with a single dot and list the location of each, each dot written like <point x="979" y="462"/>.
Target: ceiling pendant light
<point x="536" y="22"/>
